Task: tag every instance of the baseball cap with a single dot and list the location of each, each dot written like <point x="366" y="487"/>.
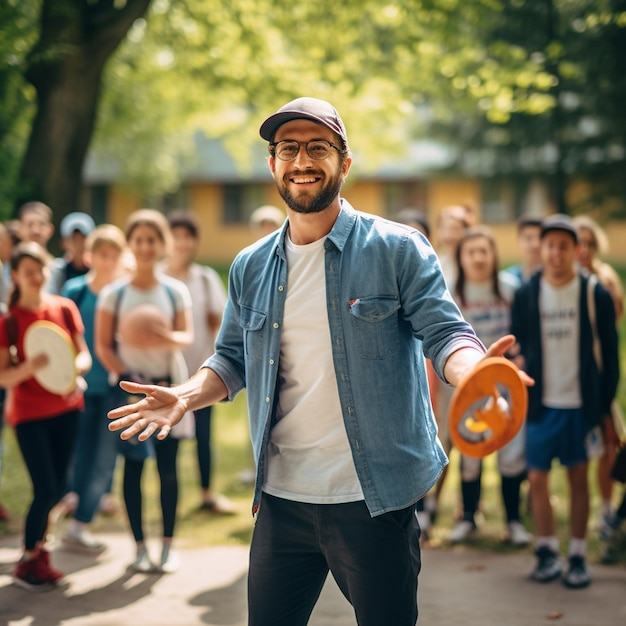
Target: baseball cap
<point x="312" y="109"/>
<point x="562" y="222"/>
<point x="81" y="222"/>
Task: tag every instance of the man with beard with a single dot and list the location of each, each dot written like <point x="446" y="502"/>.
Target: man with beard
<point x="326" y="325"/>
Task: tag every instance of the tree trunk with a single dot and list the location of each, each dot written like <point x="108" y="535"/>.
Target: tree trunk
<point x="65" y="67"/>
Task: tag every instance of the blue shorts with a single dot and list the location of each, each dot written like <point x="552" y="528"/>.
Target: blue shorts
<point x="558" y="433"/>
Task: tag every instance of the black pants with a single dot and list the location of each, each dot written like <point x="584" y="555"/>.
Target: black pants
<point x="166" y="452"/>
<point x="375" y="562"/>
<point x="203" y="443"/>
<point x="46" y="447"/>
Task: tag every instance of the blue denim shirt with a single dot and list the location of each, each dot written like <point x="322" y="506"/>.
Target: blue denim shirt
<point x="388" y="306"/>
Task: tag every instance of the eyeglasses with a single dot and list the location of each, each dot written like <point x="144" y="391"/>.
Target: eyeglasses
<point x="288" y="150"/>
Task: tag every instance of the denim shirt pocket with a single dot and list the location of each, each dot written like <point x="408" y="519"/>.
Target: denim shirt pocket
<point x="252" y="323"/>
<point x="375" y="324"/>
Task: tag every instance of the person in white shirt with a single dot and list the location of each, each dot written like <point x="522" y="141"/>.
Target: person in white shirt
<point x="209" y="297"/>
<point x="551" y="321"/>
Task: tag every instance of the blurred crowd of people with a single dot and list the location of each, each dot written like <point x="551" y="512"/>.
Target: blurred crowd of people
<point x="133" y="305"/>
<point x="563" y="304"/>
<point x="137" y="306"/>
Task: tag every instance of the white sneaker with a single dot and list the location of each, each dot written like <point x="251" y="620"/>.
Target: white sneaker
<point x="169" y="561"/>
<point x="81" y="539"/>
<point x="518" y="535"/>
<point x="142" y="562"/>
<point x="462" y="531"/>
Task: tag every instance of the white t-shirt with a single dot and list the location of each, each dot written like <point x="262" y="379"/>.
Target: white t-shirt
<point x="209" y="297"/>
<point x="559" y="308"/>
<point x="150" y="363"/>
<point x="309" y="457"/>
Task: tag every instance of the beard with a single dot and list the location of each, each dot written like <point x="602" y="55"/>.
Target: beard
<point x="316" y="203"/>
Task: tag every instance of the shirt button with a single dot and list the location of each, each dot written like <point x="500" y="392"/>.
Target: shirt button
<point x="275" y="324"/>
<point x="271" y="361"/>
<point x="281" y="288"/>
<point x="267" y="400"/>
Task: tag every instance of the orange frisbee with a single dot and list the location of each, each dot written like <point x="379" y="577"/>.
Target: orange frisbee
<point x="487" y="408"/>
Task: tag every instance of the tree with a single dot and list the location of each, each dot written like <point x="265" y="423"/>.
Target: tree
<point x="219" y="67"/>
<point x="76" y="38"/>
<point x="16" y="37"/>
<point x="579" y="48"/>
<point x="488" y="71"/>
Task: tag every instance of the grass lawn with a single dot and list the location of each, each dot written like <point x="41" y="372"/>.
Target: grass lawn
<point x="233" y="454"/>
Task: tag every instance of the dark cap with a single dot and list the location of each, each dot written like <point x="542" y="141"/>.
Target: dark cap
<point x="312" y="109"/>
<point x="562" y="222"/>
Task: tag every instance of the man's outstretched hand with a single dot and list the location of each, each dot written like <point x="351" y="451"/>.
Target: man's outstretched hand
<point x="157" y="412"/>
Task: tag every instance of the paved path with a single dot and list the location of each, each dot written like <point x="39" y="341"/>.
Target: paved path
<point x="458" y="587"/>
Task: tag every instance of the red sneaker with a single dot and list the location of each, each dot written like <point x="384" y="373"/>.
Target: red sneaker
<point x="27" y="576"/>
<point x="44" y="569"/>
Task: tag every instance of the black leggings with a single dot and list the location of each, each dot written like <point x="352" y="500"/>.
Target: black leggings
<point x="203" y="441"/>
<point x="166" y="452"/>
<point x="46" y="446"/>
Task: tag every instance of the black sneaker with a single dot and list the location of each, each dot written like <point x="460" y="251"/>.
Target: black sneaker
<point x="549" y="566"/>
<point x="577" y="575"/>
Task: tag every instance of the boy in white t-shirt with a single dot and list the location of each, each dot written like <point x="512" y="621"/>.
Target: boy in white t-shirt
<point x="551" y="322"/>
<point x="209" y="297"/>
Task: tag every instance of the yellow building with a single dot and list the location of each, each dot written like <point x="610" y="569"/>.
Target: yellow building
<point x="223" y="199"/>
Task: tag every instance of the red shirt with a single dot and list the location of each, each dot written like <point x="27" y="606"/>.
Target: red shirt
<point x="29" y="401"/>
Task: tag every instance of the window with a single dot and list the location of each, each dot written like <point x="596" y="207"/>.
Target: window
<point x="240" y="200"/>
<point x="168" y="202"/>
<point x="501" y="200"/>
<point x="404" y="195"/>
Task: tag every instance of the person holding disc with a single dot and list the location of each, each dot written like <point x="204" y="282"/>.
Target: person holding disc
<point x="326" y="326"/>
<point x="43" y="355"/>
<point x="142" y="321"/>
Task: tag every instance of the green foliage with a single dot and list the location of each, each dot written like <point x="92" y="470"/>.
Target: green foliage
<point x="221" y="66"/>
<point x="562" y="114"/>
<point x="540" y="83"/>
<point x="17" y="34"/>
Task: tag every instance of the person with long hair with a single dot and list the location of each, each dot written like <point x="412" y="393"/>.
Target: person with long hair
<point x="592" y="242"/>
<point x="484" y="296"/>
<point x="142" y="321"/>
<point x="45" y="423"/>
